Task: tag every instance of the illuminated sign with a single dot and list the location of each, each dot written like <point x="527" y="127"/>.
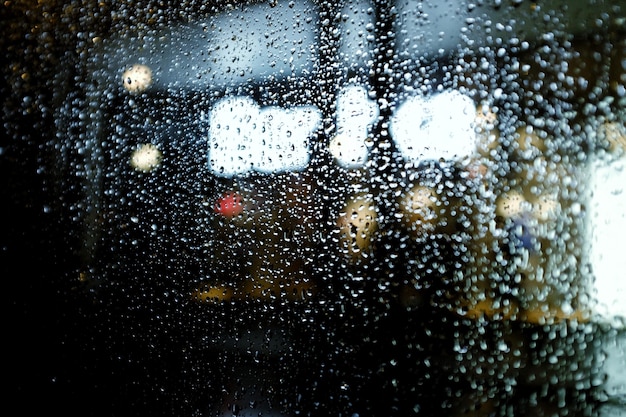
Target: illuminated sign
<point x="440" y="126"/>
<point x="355" y="114"/>
<point x="245" y="137"/>
<point x="606" y="213"/>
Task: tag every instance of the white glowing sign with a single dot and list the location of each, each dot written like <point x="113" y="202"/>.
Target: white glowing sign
<point x="434" y="127"/>
<point x="608" y="224"/>
<point x="244" y="137"/>
<point x="355" y="114"/>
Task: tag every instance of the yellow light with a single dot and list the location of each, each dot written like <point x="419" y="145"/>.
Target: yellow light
<point x="418" y="209"/>
<point x="218" y="293"/>
<point x="137" y="78"/>
<point x="615" y="136"/>
<point x="357" y="225"/>
<point x="146" y="157"/>
<point x="511" y="204"/>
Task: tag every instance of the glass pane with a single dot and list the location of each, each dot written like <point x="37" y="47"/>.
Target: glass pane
<point x="315" y="208"/>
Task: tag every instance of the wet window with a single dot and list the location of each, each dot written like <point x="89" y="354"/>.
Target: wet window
<point x="289" y="208"/>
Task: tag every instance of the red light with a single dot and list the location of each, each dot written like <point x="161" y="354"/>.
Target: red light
<point x="229" y="205"/>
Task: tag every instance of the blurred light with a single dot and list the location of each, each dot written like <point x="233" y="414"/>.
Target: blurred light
<point x="607" y="214"/>
<point x="546" y="207"/>
<point x="355" y="114"/>
<point x="512" y="204"/>
<point x="137" y="78"/>
<point x="614" y="136"/>
<point x="244" y="137"/>
<point x="441" y="126"/>
<point x="357" y="225"/>
<point x="419" y="210"/>
<point x="229" y="205"/>
<point x="146" y="157"/>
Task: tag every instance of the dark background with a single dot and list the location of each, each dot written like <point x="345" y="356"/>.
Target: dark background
<point x="37" y="239"/>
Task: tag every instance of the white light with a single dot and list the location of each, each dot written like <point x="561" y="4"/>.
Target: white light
<point x="355" y="113"/>
<point x="146" y="157"/>
<point x="243" y="137"/>
<point x="608" y="237"/>
<point x="435" y="127"/>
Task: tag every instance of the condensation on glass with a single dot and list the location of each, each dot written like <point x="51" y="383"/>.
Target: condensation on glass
<point x="364" y="208"/>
